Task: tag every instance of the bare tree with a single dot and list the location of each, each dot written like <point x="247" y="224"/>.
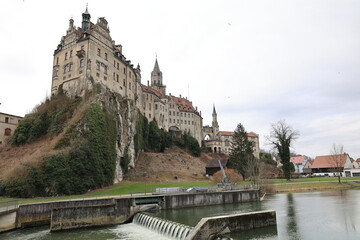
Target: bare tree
<point x="281" y="137"/>
<point x="253" y="170"/>
<point x="337" y="159"/>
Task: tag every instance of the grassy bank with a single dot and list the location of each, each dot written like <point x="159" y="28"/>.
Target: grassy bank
<point x="129" y="188"/>
<point x="124" y="188"/>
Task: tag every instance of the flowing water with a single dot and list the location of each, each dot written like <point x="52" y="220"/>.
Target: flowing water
<point x="313" y="215"/>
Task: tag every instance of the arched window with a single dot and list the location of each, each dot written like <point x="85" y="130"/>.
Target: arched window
<point x="7" y="132"/>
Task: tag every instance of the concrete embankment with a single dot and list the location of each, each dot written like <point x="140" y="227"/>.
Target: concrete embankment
<point x="71" y="214"/>
<point x="212" y="227"/>
<point x="117" y="212"/>
<point x="211" y="198"/>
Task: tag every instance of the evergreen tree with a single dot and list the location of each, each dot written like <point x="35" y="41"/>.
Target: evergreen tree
<point x="241" y="151"/>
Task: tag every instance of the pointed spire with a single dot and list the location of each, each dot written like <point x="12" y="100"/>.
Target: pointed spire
<point x="86" y="11"/>
<point x="86" y="19"/>
<point x="156" y="66"/>
<point x="214" y="111"/>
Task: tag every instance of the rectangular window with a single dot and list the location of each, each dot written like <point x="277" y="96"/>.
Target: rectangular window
<point x="71" y="52"/>
<point x="114" y="63"/>
<point x="114" y="76"/>
<point x="117" y="66"/>
<point x="124" y="83"/>
<point x="57" y="61"/>
<point x="149" y="106"/>
<point x="65" y="56"/>
<point x="130" y="74"/>
<point x="98" y="52"/>
<point x="6" y="120"/>
<point x="97" y="65"/>
<point x="106" y="56"/>
<point x="130" y="85"/>
<point x="124" y="70"/>
<point x="105" y="69"/>
<point x="81" y="62"/>
<point x="117" y="77"/>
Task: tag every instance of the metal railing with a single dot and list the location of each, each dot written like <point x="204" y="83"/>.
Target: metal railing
<point x="9" y="205"/>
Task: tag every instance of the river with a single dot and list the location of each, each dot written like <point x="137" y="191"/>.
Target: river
<point x="312" y="215"/>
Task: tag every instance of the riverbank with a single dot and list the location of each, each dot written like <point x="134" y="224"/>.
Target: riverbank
<point x="146" y="188"/>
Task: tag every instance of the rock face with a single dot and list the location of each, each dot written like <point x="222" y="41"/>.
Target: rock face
<point x="125" y="113"/>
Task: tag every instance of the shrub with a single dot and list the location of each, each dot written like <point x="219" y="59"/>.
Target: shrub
<point x="232" y="176"/>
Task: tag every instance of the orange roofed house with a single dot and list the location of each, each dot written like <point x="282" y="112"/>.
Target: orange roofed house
<point x="220" y="141"/>
<point x="330" y="164"/>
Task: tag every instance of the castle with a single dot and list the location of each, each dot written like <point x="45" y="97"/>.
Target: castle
<point x="220" y="141"/>
<point x="88" y="55"/>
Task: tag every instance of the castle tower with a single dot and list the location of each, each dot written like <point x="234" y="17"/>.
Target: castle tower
<point x="86" y="20"/>
<point x="156" y="79"/>
<point x="215" y="124"/>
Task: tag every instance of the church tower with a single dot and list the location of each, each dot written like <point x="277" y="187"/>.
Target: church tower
<point x="215" y="124"/>
<point x="86" y="20"/>
<point x="156" y="79"/>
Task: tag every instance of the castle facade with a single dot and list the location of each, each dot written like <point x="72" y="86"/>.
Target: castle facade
<point x="88" y="55"/>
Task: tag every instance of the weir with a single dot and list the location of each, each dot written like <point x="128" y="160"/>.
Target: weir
<point x="167" y="228"/>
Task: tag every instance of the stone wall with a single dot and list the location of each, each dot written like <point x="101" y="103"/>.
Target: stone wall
<point x="117" y="212"/>
<point x="213" y="198"/>
<point x="39" y="214"/>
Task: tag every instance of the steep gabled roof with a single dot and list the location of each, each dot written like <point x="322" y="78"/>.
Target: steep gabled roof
<point x="183" y="104"/>
<point x="330" y="161"/>
<point x="297" y="159"/>
<point x="149" y="89"/>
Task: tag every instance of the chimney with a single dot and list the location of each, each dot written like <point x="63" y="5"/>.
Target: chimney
<point x="148" y="82"/>
<point x="180" y="95"/>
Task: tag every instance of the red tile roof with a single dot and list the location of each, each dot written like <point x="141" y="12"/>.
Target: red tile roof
<point x="297" y="159"/>
<point x="228" y="133"/>
<point x="150" y="90"/>
<point x="329" y="161"/>
<point x="183" y="104"/>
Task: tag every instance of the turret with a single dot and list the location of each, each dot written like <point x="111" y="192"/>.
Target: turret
<point x="86" y="20"/>
<point x="215" y="125"/>
<point x="214" y="118"/>
<point x="156" y="75"/>
<point x="156" y="79"/>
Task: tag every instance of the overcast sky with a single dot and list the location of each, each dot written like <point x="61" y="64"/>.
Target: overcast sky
<point x="258" y="61"/>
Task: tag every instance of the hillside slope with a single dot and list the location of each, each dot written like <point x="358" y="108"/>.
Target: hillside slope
<point x="174" y="164"/>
